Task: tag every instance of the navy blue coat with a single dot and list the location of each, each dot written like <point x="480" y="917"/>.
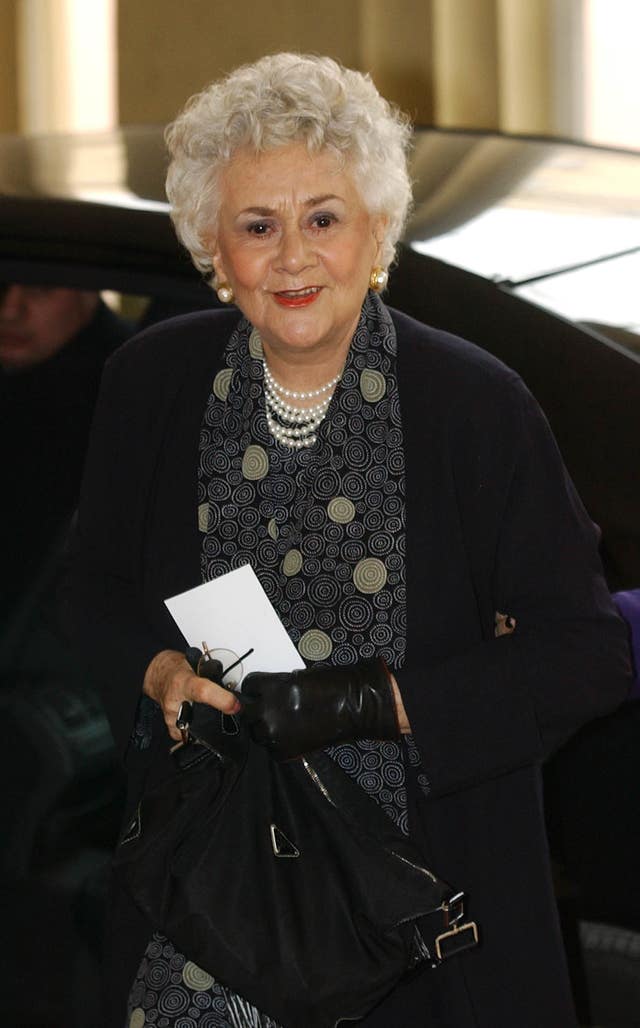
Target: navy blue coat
<point x="493" y="523"/>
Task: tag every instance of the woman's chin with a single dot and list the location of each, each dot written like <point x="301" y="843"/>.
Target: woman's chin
<point x="294" y="330"/>
<point x="308" y="329"/>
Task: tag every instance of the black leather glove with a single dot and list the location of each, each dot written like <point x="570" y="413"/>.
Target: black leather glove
<point x="301" y="711"/>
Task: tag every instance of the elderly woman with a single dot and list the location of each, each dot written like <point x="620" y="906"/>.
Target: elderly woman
<point x="393" y="487"/>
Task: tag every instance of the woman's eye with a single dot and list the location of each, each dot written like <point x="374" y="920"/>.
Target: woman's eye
<point x="258" y="228"/>
<point x="323" y="220"/>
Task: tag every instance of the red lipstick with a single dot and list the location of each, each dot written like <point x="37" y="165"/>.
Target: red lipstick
<point x="296" y="298"/>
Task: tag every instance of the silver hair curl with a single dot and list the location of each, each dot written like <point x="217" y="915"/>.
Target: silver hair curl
<point x="281" y="99"/>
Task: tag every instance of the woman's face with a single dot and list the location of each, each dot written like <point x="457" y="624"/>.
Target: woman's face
<point x="297" y="245"/>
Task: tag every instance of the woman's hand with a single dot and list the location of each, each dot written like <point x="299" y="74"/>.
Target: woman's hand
<point x="504" y="624"/>
<point x="300" y="711"/>
<point x="401" y="714"/>
<point x="169" y="680"/>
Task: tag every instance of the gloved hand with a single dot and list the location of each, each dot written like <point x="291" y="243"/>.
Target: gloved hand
<point x="300" y="711"/>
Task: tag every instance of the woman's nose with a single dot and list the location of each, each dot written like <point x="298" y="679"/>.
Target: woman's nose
<point x="295" y="252"/>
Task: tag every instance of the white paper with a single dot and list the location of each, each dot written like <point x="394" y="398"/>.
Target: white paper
<point x="233" y="613"/>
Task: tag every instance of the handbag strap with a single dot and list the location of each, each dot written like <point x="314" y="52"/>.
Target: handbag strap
<point x="445" y="931"/>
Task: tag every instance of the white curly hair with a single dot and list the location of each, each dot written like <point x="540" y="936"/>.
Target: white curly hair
<point x="281" y="99"/>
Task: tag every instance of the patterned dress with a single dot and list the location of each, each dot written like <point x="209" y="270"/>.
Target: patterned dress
<point x="324" y="530"/>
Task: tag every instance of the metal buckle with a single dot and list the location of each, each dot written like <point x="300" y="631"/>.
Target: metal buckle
<point x="456" y="937"/>
<point x="453" y="909"/>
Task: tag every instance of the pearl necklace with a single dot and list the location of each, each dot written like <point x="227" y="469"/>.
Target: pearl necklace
<point x="290" y="425"/>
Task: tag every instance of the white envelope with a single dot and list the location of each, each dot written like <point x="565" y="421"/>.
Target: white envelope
<point x="231" y="615"/>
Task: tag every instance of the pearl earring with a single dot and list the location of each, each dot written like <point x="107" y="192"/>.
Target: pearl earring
<point x="378" y="279"/>
<point x="225" y="292"/>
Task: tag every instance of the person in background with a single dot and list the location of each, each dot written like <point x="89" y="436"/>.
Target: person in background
<point x="401" y="499"/>
<point x="53" y="344"/>
<point x="62" y="794"/>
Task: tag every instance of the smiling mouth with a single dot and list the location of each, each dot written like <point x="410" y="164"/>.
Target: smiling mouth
<point x="297" y="297"/>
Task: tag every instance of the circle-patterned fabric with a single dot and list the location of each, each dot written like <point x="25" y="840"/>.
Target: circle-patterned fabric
<point x="322" y="527"/>
<point x="172" y="992"/>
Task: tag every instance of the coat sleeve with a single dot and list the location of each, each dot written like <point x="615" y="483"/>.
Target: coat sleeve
<point x="508" y="702"/>
<point x="103" y="606"/>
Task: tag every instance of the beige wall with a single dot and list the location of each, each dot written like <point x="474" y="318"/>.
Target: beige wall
<point x="470" y="63"/>
<point x="8" y="71"/>
<point x="396" y="37"/>
<point x="169" y="50"/>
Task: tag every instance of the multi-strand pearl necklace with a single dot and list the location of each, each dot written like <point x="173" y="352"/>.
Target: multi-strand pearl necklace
<point x="294" y="426"/>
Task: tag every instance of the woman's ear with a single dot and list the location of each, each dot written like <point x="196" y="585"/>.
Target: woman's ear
<point x="379" y="229"/>
<point x="216" y="260"/>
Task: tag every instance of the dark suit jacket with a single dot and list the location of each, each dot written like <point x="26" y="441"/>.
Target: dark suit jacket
<point x="493" y="523"/>
<point x="47" y="412"/>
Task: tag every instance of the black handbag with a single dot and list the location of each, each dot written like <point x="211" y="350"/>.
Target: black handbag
<point x="285" y="881"/>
